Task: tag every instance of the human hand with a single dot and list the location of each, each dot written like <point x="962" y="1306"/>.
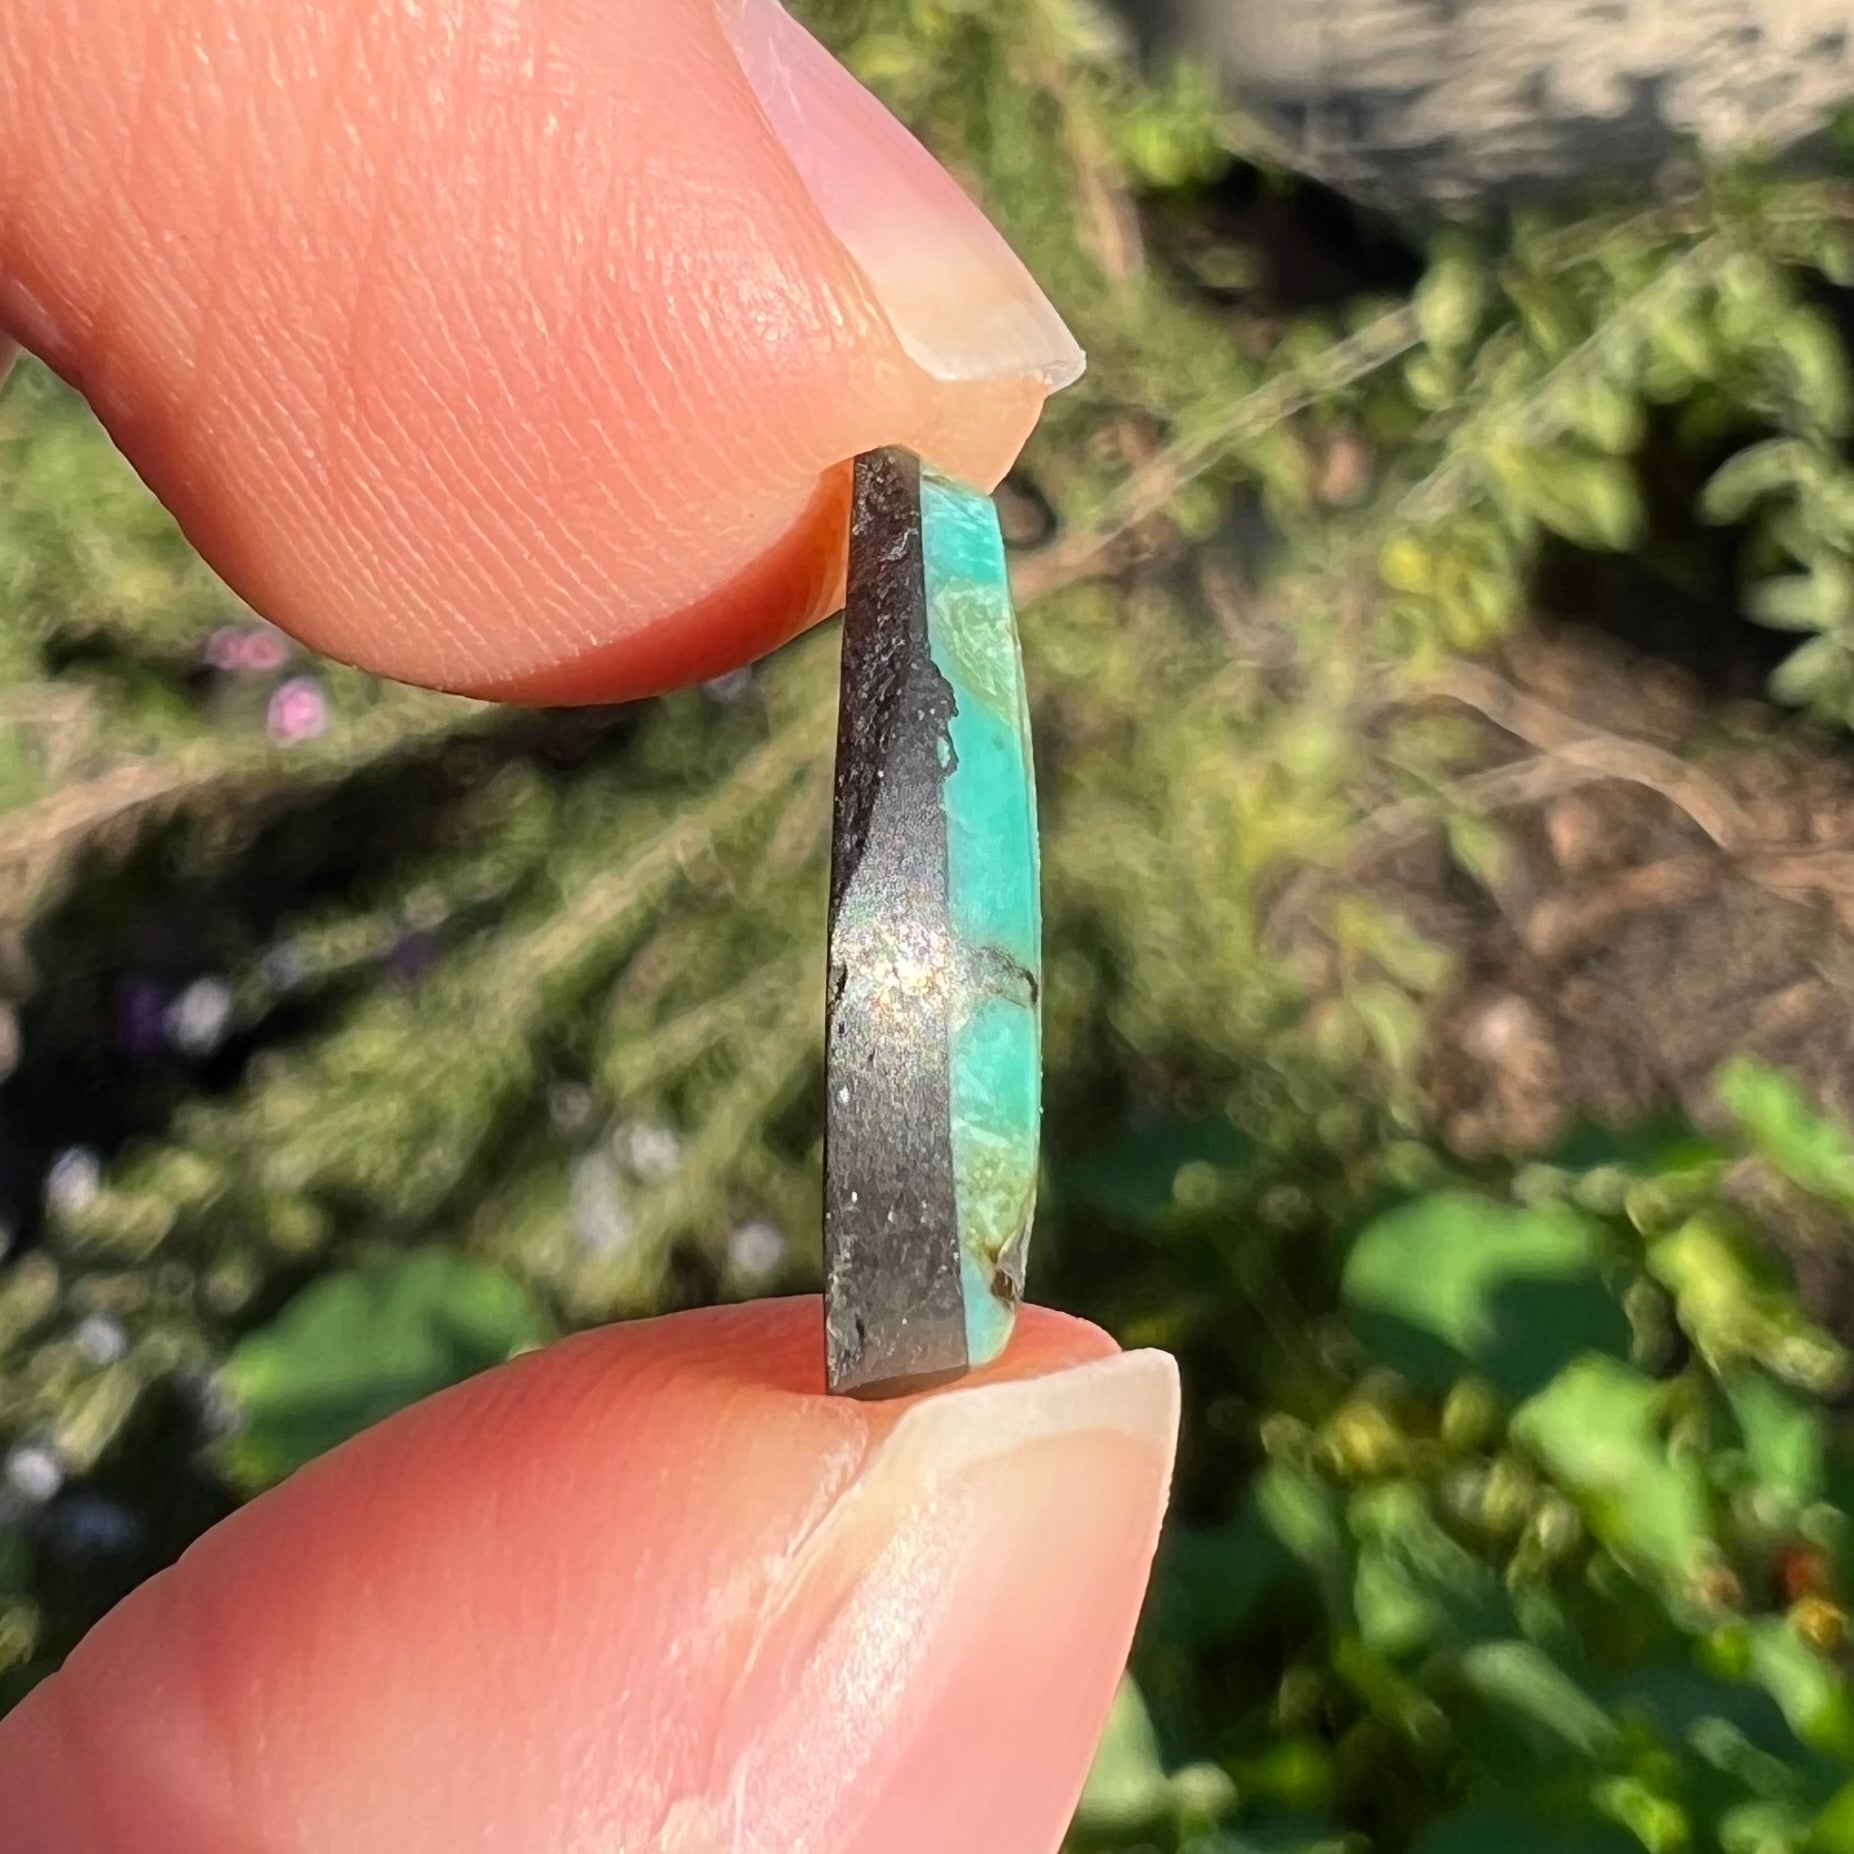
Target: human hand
<point x="519" y="346"/>
<point x="648" y="1592"/>
<point x="510" y="346"/>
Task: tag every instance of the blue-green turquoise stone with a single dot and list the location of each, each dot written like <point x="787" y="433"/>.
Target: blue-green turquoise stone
<point x="993" y="904"/>
<point x="932" y="1037"/>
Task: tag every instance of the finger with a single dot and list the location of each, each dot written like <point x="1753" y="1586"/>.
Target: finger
<point x="648" y="1592"/>
<point x="513" y="349"/>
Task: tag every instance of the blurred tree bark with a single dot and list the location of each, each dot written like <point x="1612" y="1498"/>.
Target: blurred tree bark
<point x="1420" y="105"/>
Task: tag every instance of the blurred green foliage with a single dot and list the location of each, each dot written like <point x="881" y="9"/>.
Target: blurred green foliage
<point x="1550" y="1546"/>
<point x="363" y="1037"/>
<point x="358" y="1345"/>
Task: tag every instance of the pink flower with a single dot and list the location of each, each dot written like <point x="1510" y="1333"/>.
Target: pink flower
<point x="265" y="650"/>
<point x="225" y="649"/>
<point x="298" y="711"/>
<point x="247" y="650"/>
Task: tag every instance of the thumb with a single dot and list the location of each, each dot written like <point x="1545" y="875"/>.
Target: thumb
<point x="516" y="349"/>
<point x="648" y="1592"/>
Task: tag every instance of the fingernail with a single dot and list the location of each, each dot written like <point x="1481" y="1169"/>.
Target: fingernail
<point x="960" y="301"/>
<point x="937" y="1661"/>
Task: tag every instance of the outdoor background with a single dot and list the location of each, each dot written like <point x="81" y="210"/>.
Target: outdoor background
<point x="1442" y="647"/>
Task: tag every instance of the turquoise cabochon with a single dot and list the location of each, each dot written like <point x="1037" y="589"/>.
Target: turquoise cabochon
<point x="993" y="901"/>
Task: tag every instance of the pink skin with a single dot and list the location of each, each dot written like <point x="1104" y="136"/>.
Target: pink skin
<point x="519" y="347"/>
<point x="648" y="1591"/>
<point x="515" y="347"/>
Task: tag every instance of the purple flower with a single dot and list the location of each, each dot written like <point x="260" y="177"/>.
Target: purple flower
<point x="141" y="1008"/>
<point x="412" y="956"/>
<point x="298" y="711"/>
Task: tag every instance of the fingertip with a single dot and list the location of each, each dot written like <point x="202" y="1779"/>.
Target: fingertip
<point x="650" y="1580"/>
<point x="971" y="431"/>
<point x="790" y="587"/>
<point x="527" y="362"/>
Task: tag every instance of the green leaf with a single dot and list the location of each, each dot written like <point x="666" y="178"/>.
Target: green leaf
<point x="1656" y="1146"/>
<point x="1481" y="846"/>
<point x="1683" y="348"/>
<point x="1416" y="1586"/>
<point x="1818" y="675"/>
<point x="1819" y="365"/>
<point x="1786" y="1441"/>
<point x="1451" y="299"/>
<point x="1304" y="1515"/>
<point x="1757" y="472"/>
<point x="1457" y="1281"/>
<point x="1607" y="418"/>
<point x="1792" y="602"/>
<point x="1735" y="1306"/>
<point x="1290" y="1775"/>
<point x="1546" y="312"/>
<point x="1409" y="957"/>
<point x="1394" y="1021"/>
<point x="1211" y="1582"/>
<point x="1521" y="1679"/>
<point x="1396" y="1616"/>
<point x="1807" y="1687"/>
<point x="1391" y="1696"/>
<point x="355" y="1347"/>
<point x="1127" y="1785"/>
<point x="1590" y="499"/>
<point x="1834" y="1827"/>
<point x="1657" y="1821"/>
<point x="1683" y="1701"/>
<point x="1598" y="1429"/>
<point x="1834" y="256"/>
<point x="1812" y="1150"/>
<point x="1761" y="1826"/>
